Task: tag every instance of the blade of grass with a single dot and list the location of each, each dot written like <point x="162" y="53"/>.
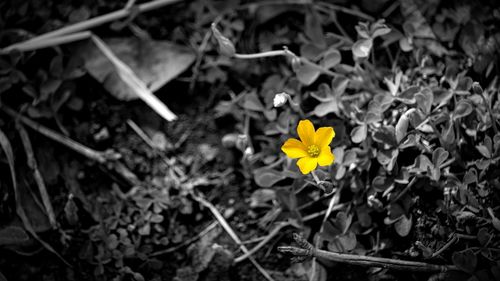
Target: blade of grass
<point x="90" y="23"/>
<point x="37" y="175"/>
<point x="7" y="148"/>
<point x="40" y="44"/>
<point x="131" y="79"/>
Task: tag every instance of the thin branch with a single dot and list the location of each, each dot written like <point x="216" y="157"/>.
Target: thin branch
<point x="98" y="156"/>
<point x="306" y="250"/>
<point x="108" y="157"/>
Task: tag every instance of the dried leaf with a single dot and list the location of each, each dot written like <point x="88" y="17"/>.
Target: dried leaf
<point x="12" y="235"/>
<point x="466" y="260"/>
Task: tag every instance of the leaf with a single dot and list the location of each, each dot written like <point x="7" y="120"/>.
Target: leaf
<point x="381" y="183"/>
<point x="439" y="156"/>
<point x="252" y="102"/>
<point x="313" y="28"/>
<point x="385" y="135"/>
<point x="262" y="197"/>
<point x="343" y="221"/>
<point x="402" y="125"/>
<point x="266" y="177"/>
<point x="379" y="29"/>
<point x="310" y="51"/>
<point x="362" y="48"/>
<point x="331" y="58"/>
<point x="325" y="108"/>
<point x="408" y="96"/>
<point x="348" y="241"/>
<point x="154" y="63"/>
<point x="483" y="236"/>
<point x="124" y="83"/>
<point x="12" y="235"/>
<point x="462" y="109"/>
<point x="424" y="100"/>
<point x="359" y="133"/>
<point x="307" y="74"/>
<point x="323" y="94"/>
<point x="484" y="151"/>
<point x="465" y="261"/>
<point x="403" y="226"/>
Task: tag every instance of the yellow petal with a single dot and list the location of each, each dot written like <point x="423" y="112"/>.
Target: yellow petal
<point x="326" y="156"/>
<point x="307" y="164"/>
<point x="324" y="136"/>
<point x="305" y="129"/>
<point x="293" y="148"/>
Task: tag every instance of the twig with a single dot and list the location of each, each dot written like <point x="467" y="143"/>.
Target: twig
<point x="231" y="233"/>
<point x="37" y="175"/>
<point x="98" y="156"/>
<point x="186" y="242"/>
<point x="306" y="250"/>
<point x="90" y="23"/>
<point x="108" y="157"/>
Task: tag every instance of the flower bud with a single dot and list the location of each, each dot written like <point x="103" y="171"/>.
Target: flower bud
<point x="280" y="99"/>
<point x="476" y="88"/>
<point x="226" y="47"/>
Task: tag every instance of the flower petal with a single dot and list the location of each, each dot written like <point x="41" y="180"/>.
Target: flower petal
<point x="326" y="156"/>
<point x="324" y="136"/>
<point x="305" y="129"/>
<point x="294" y="148"/>
<point x="307" y="164"/>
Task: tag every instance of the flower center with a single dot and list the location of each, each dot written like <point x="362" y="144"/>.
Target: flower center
<point x="313" y="150"/>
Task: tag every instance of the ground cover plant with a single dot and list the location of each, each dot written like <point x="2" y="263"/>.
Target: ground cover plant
<point x="249" y="140"/>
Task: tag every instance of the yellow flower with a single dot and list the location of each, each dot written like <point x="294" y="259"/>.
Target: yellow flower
<point x="313" y="148"/>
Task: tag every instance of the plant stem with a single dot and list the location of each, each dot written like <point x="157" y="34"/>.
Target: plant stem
<point x="287" y="53"/>
<point x="306" y="250"/>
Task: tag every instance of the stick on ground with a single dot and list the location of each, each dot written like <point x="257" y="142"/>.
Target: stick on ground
<point x="306" y="250"/>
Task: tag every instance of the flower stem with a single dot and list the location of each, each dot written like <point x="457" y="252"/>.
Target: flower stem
<point x="315" y="177"/>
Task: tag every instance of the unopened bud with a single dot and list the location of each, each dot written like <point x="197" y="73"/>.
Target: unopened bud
<point x="280" y="99"/>
<point x="226" y="47"/>
<point x="476" y="88"/>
